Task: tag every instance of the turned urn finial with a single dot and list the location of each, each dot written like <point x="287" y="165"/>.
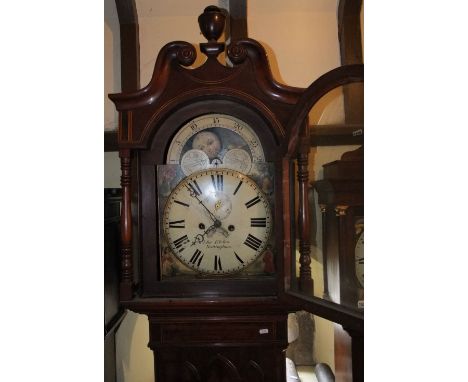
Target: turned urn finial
<point x="211" y="23"/>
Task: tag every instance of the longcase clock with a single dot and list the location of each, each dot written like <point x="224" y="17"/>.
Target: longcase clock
<point x="211" y="148"/>
<point x="341" y="199"/>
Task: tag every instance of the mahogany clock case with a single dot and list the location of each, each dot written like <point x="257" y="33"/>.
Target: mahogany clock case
<point x="148" y="160"/>
<point x="249" y="315"/>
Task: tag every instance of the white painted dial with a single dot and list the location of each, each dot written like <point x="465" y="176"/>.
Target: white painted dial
<point x="217" y="221"/>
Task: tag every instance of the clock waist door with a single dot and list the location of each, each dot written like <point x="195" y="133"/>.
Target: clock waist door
<point x="228" y="348"/>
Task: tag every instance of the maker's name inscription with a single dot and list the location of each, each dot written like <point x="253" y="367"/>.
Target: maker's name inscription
<point x="218" y="244"/>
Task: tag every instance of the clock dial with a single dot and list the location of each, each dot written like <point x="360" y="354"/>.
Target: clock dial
<point x="217" y="221"/>
<point x="215" y="141"/>
<point x="359" y="258"/>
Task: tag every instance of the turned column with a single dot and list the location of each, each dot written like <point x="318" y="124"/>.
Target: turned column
<point x="323" y="210"/>
<point x="126" y="263"/>
<point x="306" y="284"/>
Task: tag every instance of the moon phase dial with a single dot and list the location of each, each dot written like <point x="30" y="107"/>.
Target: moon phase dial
<point x="215" y="141"/>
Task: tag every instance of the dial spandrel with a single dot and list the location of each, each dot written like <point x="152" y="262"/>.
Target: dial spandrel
<point x="215" y="141"/>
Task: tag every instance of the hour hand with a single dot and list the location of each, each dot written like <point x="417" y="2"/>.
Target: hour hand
<point x="223" y="231"/>
<point x="201" y="236"/>
<point x="218" y="226"/>
<point x="216" y="221"/>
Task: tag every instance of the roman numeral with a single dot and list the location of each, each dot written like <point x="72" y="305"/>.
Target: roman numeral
<point x="360" y="260"/>
<point x="238" y="258"/>
<point x="217" y="263"/>
<point x="181" y="203"/>
<point x="195" y="188"/>
<point x="177" y="224"/>
<point x="253" y="242"/>
<point x="238" y="186"/>
<point x="180" y="242"/>
<point x="252" y="202"/>
<point x="218" y="182"/>
<point x="258" y="222"/>
<point x="197" y="257"/>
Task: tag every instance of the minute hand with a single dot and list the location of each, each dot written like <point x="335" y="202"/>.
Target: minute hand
<point x="216" y="221"/>
<point x="212" y="216"/>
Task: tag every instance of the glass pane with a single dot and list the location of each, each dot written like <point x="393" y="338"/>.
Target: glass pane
<point x="335" y="199"/>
